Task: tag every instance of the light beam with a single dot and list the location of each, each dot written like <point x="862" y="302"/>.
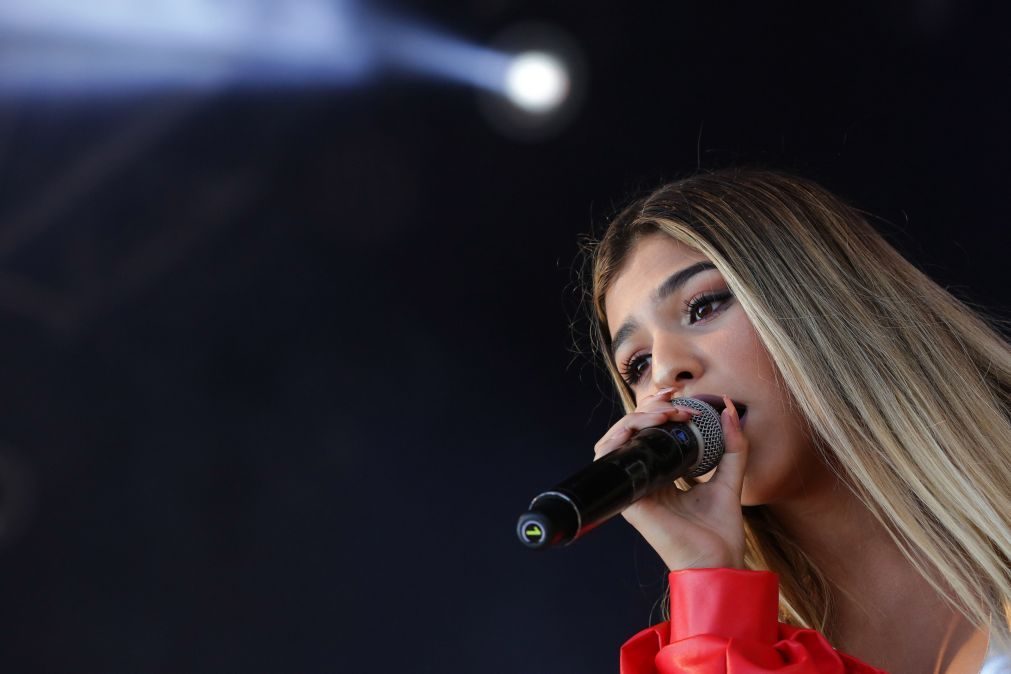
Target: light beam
<point x="115" y="47"/>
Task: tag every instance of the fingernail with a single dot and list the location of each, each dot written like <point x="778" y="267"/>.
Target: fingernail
<point x="663" y="391"/>
<point x="731" y="412"/>
<point x="689" y="410"/>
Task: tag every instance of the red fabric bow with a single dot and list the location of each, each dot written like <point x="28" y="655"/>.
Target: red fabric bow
<point x="724" y="621"/>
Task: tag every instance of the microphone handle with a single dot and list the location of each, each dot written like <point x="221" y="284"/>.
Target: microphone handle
<point x="653" y="458"/>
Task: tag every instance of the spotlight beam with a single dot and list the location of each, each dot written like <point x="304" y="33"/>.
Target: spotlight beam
<point x="416" y="48"/>
<point x="114" y="47"/>
<point x="62" y="45"/>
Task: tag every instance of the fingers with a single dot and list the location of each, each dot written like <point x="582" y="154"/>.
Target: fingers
<point x="654" y="410"/>
<point x="735" y="457"/>
<point x="634" y="422"/>
<point x="659" y="400"/>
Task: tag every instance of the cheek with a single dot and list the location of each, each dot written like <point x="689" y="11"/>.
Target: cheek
<point x="783" y="461"/>
<point x="740" y="351"/>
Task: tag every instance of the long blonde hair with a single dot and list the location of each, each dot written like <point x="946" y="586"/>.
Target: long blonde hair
<point x="906" y="388"/>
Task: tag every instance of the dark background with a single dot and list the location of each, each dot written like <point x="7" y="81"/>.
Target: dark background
<point x="280" y="369"/>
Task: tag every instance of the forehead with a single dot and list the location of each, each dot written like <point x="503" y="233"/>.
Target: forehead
<point x="647" y="265"/>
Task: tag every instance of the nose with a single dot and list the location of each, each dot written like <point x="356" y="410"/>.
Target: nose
<point x="674" y="364"/>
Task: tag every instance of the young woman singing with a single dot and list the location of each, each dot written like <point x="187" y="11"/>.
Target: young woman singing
<point x="860" y="519"/>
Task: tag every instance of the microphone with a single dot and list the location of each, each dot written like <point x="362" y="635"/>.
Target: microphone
<point x="651" y="459"/>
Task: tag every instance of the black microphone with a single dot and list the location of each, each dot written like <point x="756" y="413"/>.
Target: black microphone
<point x="651" y="459"/>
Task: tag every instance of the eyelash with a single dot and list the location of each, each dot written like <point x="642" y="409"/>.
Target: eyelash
<point x="631" y="369"/>
<point x="705" y="299"/>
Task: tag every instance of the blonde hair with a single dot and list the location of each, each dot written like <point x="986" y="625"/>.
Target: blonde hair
<point x="906" y="389"/>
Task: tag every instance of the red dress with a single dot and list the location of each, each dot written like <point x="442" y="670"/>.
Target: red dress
<point x="725" y="621"/>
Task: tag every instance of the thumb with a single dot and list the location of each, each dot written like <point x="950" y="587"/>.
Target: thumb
<point x="730" y="472"/>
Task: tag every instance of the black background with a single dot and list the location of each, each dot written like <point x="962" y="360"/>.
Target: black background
<point x="280" y="369"/>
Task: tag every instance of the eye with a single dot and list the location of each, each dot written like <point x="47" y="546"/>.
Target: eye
<point x="634" y="368"/>
<point x="704" y="306"/>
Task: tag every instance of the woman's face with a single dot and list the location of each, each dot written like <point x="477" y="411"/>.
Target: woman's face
<point x="674" y="323"/>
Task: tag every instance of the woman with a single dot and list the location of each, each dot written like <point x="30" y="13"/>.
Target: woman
<point x="866" y="420"/>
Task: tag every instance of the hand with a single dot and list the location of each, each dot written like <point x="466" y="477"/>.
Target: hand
<point x="700" y="528"/>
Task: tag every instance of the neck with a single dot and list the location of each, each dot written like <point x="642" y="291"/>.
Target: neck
<point x="884" y="610"/>
<point x="840" y="535"/>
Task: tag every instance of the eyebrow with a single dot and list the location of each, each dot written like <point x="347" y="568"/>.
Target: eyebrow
<point x="663" y="291"/>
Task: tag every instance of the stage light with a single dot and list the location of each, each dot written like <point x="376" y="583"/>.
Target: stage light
<point x="542" y="86"/>
<point x="536" y="82"/>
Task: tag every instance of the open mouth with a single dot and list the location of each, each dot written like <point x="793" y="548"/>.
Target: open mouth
<point x="716" y="402"/>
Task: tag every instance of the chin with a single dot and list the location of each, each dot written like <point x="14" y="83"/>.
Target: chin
<point x="757" y="494"/>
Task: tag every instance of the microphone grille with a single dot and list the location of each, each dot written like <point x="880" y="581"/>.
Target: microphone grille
<point x="710" y="430"/>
